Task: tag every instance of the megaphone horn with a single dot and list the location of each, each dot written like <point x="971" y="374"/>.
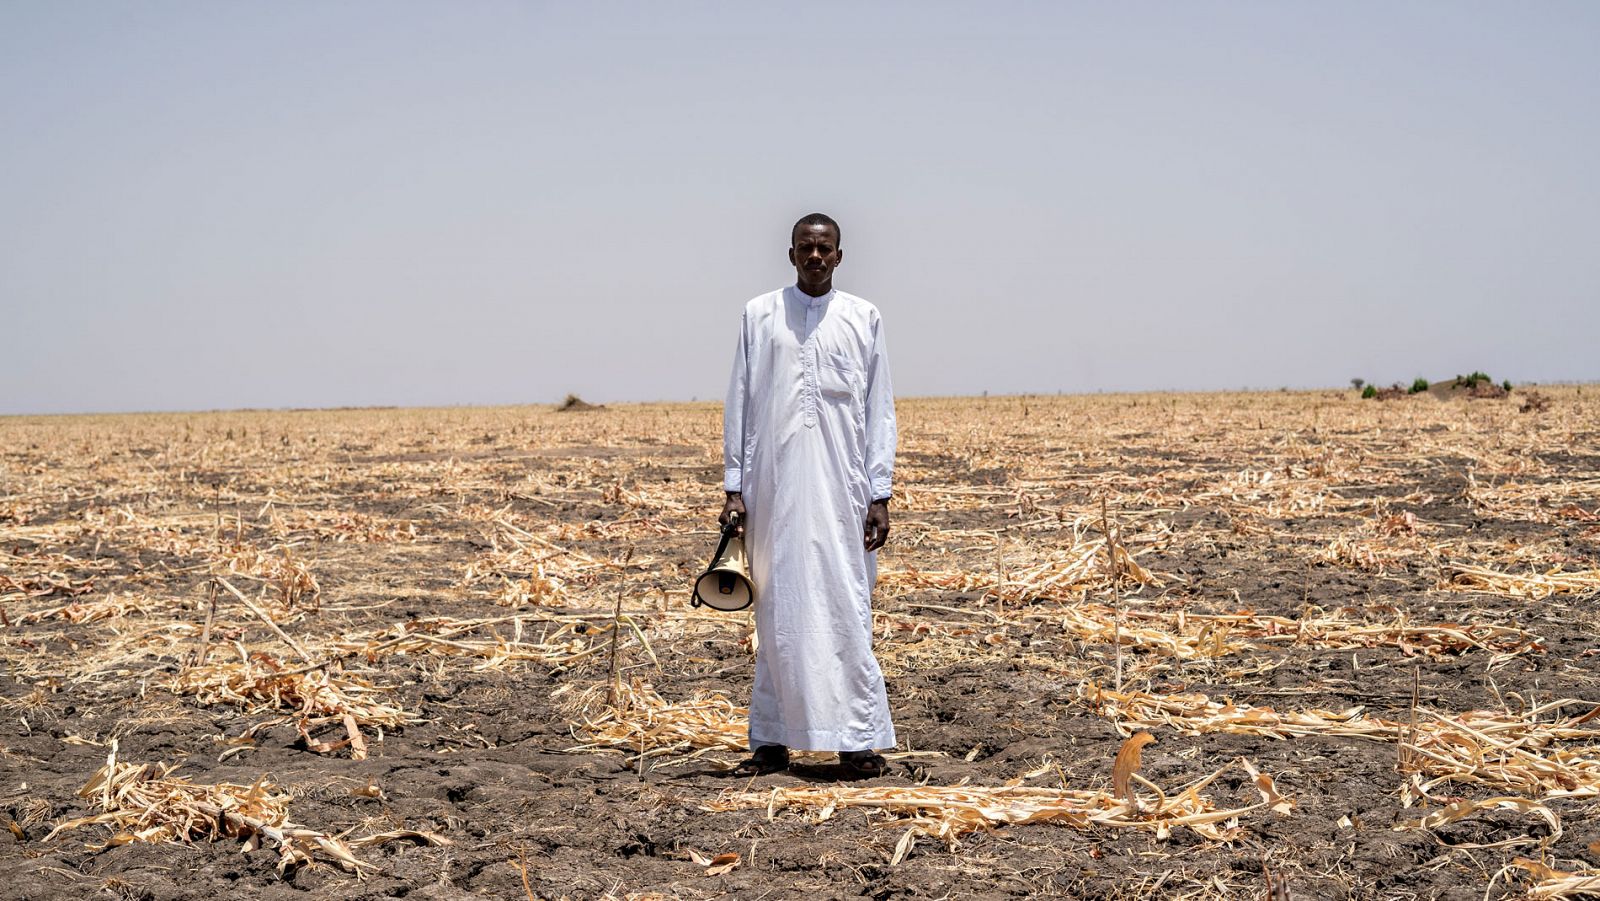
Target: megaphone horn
<point x="726" y="583"/>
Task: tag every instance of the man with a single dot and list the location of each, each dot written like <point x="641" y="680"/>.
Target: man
<point x="808" y="447"/>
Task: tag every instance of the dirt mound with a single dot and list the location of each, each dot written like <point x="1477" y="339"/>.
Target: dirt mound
<point x="576" y="404"/>
<point x="1477" y="386"/>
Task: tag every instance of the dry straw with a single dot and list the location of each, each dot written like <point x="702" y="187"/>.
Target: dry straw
<point x="112" y="606"/>
<point x="563" y="641"/>
<point x="1190" y="635"/>
<point x="1532" y="586"/>
<point x="1551" y="884"/>
<point x="257" y="683"/>
<point x="146" y="803"/>
<point x="1491" y="748"/>
<point x="950" y="812"/>
<point x="646" y="724"/>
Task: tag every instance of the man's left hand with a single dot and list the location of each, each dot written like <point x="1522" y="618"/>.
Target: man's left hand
<point x="876" y="531"/>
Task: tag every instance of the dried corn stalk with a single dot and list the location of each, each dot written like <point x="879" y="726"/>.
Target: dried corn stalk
<point x="340" y="526"/>
<point x="1066" y="576"/>
<point x="572" y="640"/>
<point x="297" y="585"/>
<point x="43" y="585"/>
<point x="1533" y="586"/>
<point x="1460" y="810"/>
<point x="646" y="724"/>
<point x="1550" y="884"/>
<point x="1194" y="714"/>
<point x="148" y="804"/>
<point x="111" y="606"/>
<point x="1485" y="747"/>
<point x="260" y="684"/>
<point x="949" y="812"/>
<point x="1189" y="636"/>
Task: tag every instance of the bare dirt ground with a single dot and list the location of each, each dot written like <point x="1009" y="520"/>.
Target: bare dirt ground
<point x="370" y="652"/>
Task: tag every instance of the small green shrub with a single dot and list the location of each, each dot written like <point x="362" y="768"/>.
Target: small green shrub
<point x="1506" y="385"/>
<point x="1369" y="391"/>
<point x="1419" y="386"/>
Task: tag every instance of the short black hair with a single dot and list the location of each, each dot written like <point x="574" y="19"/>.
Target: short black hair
<point x="811" y="219"/>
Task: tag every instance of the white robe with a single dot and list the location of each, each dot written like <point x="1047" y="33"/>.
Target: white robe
<point x="808" y="439"/>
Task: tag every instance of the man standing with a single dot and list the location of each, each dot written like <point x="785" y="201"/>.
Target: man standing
<point x="808" y="447"/>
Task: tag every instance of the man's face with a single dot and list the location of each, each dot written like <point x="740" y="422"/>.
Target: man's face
<point x="815" y="252"/>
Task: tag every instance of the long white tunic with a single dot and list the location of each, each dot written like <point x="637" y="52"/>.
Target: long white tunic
<point x="808" y="439"/>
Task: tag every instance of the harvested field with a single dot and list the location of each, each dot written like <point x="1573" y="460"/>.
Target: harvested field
<point x="1181" y="646"/>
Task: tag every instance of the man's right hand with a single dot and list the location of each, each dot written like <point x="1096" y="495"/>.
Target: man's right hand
<point x="733" y="505"/>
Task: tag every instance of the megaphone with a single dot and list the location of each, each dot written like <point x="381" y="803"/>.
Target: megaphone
<point x="726" y="585"/>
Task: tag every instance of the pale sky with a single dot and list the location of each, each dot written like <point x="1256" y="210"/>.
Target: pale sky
<point x="222" y="204"/>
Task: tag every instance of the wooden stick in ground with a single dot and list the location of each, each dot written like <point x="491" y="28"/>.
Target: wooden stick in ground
<point x="616" y="628"/>
<point x="262" y="615"/>
<point x="1407" y="749"/>
<point x="1114" y="565"/>
<point x="205" y="633"/>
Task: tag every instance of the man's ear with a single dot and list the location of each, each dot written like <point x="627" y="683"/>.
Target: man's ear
<point x="791" y="256"/>
<point x="838" y="257"/>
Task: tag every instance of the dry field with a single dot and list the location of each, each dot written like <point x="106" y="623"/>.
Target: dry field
<point x="1278" y="645"/>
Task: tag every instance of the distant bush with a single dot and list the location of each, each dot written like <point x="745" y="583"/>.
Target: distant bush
<point x="1506" y="385"/>
<point x="1419" y="386"/>
<point x="1369" y="391"/>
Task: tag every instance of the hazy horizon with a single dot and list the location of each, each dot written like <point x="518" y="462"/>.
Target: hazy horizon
<point x="213" y="207"/>
<point x="902" y="396"/>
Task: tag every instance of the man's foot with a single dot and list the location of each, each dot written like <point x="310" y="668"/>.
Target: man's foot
<point x="766" y="759"/>
<point x="862" y="764"/>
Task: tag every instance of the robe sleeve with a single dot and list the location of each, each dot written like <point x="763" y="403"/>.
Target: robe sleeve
<point x="733" y="413"/>
<point x="880" y="416"/>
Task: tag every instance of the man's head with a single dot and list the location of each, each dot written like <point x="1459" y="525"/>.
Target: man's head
<point x="814" y="250"/>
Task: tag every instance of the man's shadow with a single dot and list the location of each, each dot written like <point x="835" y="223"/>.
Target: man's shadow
<point x="832" y="772"/>
<point x="805" y="772"/>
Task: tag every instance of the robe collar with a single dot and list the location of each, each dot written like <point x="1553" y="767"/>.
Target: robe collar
<point x="810" y="301"/>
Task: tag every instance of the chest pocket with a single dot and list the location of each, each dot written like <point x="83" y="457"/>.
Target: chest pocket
<point x="837" y="378"/>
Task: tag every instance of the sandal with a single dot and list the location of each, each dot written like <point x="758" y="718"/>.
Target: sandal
<point x="862" y="764"/>
<point x="764" y="760"/>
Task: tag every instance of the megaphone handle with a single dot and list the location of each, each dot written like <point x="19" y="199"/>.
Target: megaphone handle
<point x="727" y="535"/>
